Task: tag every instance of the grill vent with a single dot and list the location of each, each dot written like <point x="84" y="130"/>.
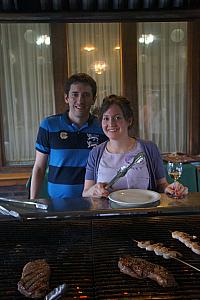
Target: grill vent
<point x="85" y="255"/>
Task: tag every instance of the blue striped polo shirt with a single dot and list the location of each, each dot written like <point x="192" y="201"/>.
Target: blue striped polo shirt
<point x="68" y="147"/>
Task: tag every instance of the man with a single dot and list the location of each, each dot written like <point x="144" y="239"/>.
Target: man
<point x="65" y="140"/>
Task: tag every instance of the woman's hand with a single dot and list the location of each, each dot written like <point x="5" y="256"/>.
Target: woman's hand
<point x="97" y="190"/>
<point x="176" y="189"/>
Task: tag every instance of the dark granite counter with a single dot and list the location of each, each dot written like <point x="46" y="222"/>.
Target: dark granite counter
<point x="80" y="208"/>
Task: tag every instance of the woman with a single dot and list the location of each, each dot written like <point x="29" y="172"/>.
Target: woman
<point x="104" y="160"/>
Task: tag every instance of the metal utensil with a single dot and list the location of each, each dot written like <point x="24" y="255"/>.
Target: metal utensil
<point x="25" y="203"/>
<point x="187" y="264"/>
<point x="6" y="212"/>
<point x="57" y="292"/>
<point x="124" y="169"/>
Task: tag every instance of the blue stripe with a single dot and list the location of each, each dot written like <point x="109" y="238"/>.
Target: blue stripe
<point x="55" y="122"/>
<point x="60" y="191"/>
<point x="69" y="157"/>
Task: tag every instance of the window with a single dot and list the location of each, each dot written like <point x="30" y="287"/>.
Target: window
<point x="27" y="90"/>
<point x="161" y="76"/>
<point x="162" y="70"/>
<point x="95" y="49"/>
<point x="27" y="79"/>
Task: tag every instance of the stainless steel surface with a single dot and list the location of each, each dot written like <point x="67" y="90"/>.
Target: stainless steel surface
<point x="124" y="169"/>
<point x="25" y="203"/>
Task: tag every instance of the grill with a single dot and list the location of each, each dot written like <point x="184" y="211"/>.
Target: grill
<point x="84" y="254"/>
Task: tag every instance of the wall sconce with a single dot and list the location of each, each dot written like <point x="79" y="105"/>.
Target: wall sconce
<point x="89" y="48"/>
<point x="99" y="67"/>
<point x="43" y="39"/>
<point x="146" y="39"/>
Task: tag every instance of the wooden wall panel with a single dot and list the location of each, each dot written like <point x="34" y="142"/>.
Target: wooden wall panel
<point x="129" y="67"/>
<point x="59" y="54"/>
<point x="193" y="120"/>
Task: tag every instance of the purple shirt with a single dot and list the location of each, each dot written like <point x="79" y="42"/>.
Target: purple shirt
<point x="153" y="161"/>
<point x="136" y="178"/>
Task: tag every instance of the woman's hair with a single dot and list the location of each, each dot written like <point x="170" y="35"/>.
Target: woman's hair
<point x="122" y="102"/>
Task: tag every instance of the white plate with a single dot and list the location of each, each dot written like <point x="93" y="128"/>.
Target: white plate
<point x="135" y="198"/>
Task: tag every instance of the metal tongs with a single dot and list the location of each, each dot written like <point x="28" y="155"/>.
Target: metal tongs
<point x="57" y="292"/>
<point x="124" y="169"/>
<point x="25" y="203"/>
<point x="7" y="212"/>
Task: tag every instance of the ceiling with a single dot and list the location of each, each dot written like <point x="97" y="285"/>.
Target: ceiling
<point x="94" y="10"/>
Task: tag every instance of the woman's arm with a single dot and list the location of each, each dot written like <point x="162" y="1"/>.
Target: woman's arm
<point x="161" y="184"/>
<point x="94" y="190"/>
<point x="174" y="188"/>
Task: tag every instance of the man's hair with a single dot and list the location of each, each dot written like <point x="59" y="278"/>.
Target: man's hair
<point x="80" y="78"/>
<point x="122" y="102"/>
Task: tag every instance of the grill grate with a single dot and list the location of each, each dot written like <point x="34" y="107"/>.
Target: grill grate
<point x="84" y="254"/>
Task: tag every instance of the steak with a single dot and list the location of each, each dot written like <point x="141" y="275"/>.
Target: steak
<point x="34" y="282"/>
<point x="140" y="268"/>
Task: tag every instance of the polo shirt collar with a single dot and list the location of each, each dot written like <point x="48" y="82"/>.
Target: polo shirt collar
<point x="69" y="122"/>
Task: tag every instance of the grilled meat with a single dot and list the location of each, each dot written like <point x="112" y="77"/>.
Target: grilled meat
<point x="187" y="240"/>
<point x="159" y="249"/>
<point x="140" y="268"/>
<point x="34" y="282"/>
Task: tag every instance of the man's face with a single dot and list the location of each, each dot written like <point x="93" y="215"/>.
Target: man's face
<point x="80" y="99"/>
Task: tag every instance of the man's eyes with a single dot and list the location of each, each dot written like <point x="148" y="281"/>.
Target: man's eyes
<point x="83" y="95"/>
<point x="105" y="118"/>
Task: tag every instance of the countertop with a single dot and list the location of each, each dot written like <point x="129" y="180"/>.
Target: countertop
<point x="73" y="208"/>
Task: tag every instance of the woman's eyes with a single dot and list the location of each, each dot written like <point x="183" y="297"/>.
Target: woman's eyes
<point x="115" y="118"/>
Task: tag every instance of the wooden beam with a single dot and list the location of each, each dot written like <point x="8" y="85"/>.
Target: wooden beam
<point x="193" y="105"/>
<point x="105" y="16"/>
<point x="59" y="56"/>
<point x="129" y="68"/>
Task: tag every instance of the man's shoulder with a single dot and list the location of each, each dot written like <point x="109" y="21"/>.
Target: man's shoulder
<point x="53" y="117"/>
<point x="93" y="121"/>
<point x="51" y="121"/>
<point x="94" y="126"/>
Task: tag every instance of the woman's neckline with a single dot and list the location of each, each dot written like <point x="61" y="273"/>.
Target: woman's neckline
<point x="130" y="147"/>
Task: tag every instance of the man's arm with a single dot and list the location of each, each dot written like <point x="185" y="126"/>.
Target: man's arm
<point x="38" y="173"/>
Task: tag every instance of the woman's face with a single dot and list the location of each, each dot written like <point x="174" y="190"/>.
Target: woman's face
<point x="114" y="124"/>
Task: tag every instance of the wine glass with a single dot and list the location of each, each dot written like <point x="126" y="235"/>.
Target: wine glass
<point x="174" y="170"/>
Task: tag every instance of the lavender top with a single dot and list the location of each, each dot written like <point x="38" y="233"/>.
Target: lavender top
<point x="137" y="177"/>
<point x="153" y="159"/>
